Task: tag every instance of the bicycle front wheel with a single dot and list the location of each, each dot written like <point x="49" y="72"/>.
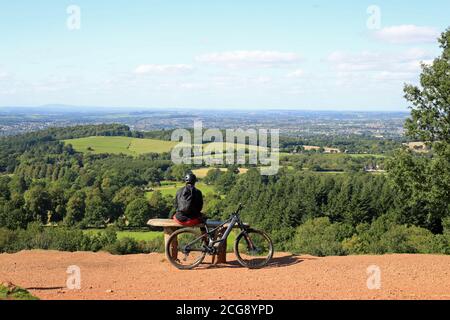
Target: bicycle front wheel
<point x="185" y="249"/>
<point x="253" y="249"/>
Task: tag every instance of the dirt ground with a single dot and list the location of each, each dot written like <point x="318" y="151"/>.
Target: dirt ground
<point x="104" y="276"/>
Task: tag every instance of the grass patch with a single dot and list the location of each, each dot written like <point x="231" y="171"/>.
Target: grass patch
<point x="118" y="145"/>
<point x="141" y="146"/>
<point x="136" y="235"/>
<point x="172" y="188"/>
<point x="202" y="172"/>
<point x="15" y="293"/>
<point x="368" y="155"/>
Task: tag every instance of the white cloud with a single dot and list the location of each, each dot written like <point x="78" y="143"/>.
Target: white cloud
<point x="400" y="67"/>
<point x="296" y="73"/>
<point x="395" y="76"/>
<point x="4" y="75"/>
<point x="262" y="80"/>
<point x="192" y="86"/>
<point x="407" y="34"/>
<point x="408" y="61"/>
<point x="163" y="69"/>
<point x="255" y="58"/>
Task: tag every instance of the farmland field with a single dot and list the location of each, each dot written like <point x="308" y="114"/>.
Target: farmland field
<point x="136" y="146"/>
<point x="117" y="145"/>
<point x="201" y="173"/>
<point x="336" y="155"/>
<point x="367" y="155"/>
<point x="218" y="146"/>
<point x="171" y="189"/>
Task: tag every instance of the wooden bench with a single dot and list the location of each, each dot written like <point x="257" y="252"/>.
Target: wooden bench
<point x="170" y="226"/>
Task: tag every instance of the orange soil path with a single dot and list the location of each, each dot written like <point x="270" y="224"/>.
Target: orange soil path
<point x="104" y="276"/>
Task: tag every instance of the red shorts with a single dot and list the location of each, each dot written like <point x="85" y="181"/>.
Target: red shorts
<point x="189" y="223"/>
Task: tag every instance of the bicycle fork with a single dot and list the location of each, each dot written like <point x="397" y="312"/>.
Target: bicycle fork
<point x="250" y="245"/>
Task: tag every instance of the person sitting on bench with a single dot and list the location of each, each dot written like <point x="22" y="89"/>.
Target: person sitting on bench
<point x="189" y="203"/>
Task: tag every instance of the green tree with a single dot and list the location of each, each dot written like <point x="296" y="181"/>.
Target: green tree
<point x="18" y="184"/>
<point x="226" y="181"/>
<point x="178" y="172"/>
<point x="75" y="208"/>
<point x="423" y="181"/>
<point x="431" y="101"/>
<point x="57" y="193"/>
<point x="159" y="206"/>
<point x="212" y="176"/>
<point x="96" y="212"/>
<point x="38" y="203"/>
<point x="125" y="196"/>
<point x="4" y="187"/>
<point x="138" y="212"/>
<point x="12" y="213"/>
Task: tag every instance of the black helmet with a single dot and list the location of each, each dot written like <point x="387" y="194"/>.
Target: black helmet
<point x="190" y="178"/>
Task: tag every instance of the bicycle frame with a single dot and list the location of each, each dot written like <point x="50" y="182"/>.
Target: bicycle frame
<point x="232" y="222"/>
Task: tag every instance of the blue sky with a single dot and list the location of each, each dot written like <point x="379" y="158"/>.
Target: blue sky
<point x="334" y="55"/>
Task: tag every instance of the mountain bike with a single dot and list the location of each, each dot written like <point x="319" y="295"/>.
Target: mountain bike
<point x="188" y="247"/>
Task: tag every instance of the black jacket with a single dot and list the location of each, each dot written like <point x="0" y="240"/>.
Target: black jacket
<point x="189" y="202"/>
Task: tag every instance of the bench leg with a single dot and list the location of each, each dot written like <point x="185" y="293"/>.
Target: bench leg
<point x="222" y="250"/>
<point x="174" y="245"/>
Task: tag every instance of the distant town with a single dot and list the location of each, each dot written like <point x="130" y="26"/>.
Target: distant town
<point x="16" y="120"/>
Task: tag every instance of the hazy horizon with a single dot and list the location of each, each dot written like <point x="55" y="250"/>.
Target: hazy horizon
<point x="93" y="108"/>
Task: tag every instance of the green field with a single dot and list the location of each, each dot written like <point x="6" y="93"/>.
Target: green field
<point x="136" y="146"/>
<point x="170" y="189"/>
<point x="137" y="235"/>
<point x="213" y="146"/>
<point x="117" y="145"/>
<point x="367" y="155"/>
<point x="336" y="155"/>
<point x="201" y="173"/>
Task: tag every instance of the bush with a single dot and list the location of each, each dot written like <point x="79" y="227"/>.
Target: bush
<point x="55" y="238"/>
<point x="123" y="246"/>
<point x="367" y="237"/>
<point x="7" y="239"/>
<point x="15" y="293"/>
<point x="404" y="239"/>
<point x="131" y="246"/>
<point x="154" y="245"/>
<point x="384" y="236"/>
<point x="320" y="237"/>
<point x="66" y="239"/>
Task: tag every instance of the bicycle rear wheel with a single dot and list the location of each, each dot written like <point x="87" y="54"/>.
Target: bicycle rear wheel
<point x="253" y="249"/>
<point x="185" y="249"/>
